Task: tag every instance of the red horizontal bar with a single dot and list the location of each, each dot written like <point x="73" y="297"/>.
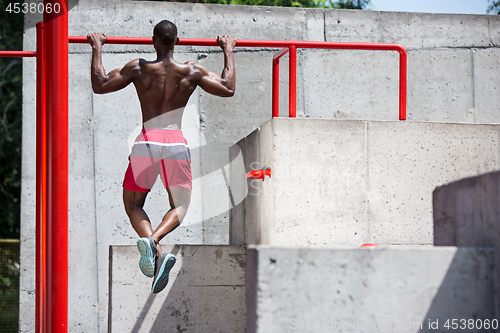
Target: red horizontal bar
<point x="17" y="54"/>
<point x="114" y="40"/>
<point x="254" y="43"/>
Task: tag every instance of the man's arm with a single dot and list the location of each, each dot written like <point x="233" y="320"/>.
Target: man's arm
<point x="225" y="84"/>
<point x="116" y="79"/>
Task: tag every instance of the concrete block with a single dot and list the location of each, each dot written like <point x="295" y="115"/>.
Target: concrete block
<point x="494" y="30"/>
<point x="315" y="24"/>
<point x="352" y="26"/>
<point x="347" y="182"/>
<point x="366" y="290"/>
<point x="412" y="30"/>
<point x="466" y="213"/>
<point x="308" y="199"/>
<point x="320" y="199"/>
<point x="444" y="30"/>
<point x="440" y="85"/>
<point x="486" y="85"/>
<point x="331" y="91"/>
<point x="205" y="293"/>
<point x="408" y="160"/>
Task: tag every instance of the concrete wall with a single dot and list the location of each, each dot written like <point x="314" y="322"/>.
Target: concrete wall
<point x="467" y="213"/>
<point x="452" y="77"/>
<point x="205" y="293"/>
<point x="349" y="182"/>
<point x="366" y="290"/>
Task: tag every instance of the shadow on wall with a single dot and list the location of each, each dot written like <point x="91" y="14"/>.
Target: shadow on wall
<point x="149" y="303"/>
<point x="466" y="214"/>
<point x="465" y="300"/>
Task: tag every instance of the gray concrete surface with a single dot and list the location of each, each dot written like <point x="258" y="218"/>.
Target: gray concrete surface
<point x="367" y="290"/>
<point x="452" y="77"/>
<point x="349" y="182"/>
<point x="467" y="213"/>
<point x="205" y="293"/>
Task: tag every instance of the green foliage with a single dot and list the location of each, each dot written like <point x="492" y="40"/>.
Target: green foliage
<point x="9" y="286"/>
<point x="494" y="7"/>
<point x="340" y="4"/>
<point x="348" y="4"/>
<point x="11" y="38"/>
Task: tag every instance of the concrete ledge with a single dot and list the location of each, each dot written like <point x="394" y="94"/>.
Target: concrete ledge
<point x="206" y="291"/>
<point x="366" y="290"/>
<point x="349" y="182"/>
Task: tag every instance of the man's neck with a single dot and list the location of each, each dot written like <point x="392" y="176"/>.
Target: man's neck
<point x="165" y="54"/>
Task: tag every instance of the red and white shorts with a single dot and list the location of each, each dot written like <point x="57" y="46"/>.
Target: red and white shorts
<point x="159" y="151"/>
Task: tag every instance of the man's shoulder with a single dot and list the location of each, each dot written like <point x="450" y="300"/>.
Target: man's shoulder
<point x="192" y="63"/>
<point x="135" y="63"/>
<point x="195" y="66"/>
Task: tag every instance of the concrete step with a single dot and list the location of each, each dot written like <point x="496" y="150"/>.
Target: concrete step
<point x="349" y="182"/>
<point x="398" y="289"/>
<point x="205" y="293"/>
<point x="367" y="290"/>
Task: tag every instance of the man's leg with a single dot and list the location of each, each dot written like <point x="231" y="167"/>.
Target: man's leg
<point x="179" y="199"/>
<point x="134" y="203"/>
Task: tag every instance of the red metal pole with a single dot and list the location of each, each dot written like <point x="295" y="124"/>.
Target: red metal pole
<point x="402" y="83"/>
<point x="276" y="89"/>
<point x="292" y="81"/>
<point x="41" y="181"/>
<point x="56" y="47"/>
<point x="276" y="82"/>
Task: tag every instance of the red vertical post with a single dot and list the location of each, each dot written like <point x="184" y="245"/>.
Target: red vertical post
<point x="41" y="181"/>
<point x="276" y="81"/>
<point x="403" y="63"/>
<point x="276" y="88"/>
<point x="292" y="91"/>
<point x="56" y="49"/>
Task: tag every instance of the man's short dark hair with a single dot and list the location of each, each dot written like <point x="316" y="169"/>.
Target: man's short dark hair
<point x="166" y="31"/>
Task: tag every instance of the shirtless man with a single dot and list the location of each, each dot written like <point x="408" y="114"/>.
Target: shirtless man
<point x="163" y="87"/>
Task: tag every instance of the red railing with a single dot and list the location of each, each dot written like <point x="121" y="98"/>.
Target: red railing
<point x="292" y="49"/>
<point x="287" y="46"/>
<point x="17" y="54"/>
<point x="52" y="144"/>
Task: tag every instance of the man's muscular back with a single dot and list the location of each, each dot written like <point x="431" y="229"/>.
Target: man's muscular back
<point x="164" y="85"/>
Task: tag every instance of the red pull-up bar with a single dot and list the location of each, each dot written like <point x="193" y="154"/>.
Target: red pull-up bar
<point x="287" y="45"/>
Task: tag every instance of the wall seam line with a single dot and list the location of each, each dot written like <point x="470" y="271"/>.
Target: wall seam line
<point x="324" y="25"/>
<point x="473" y="80"/>
<point x="367" y="184"/>
<point x="92" y="131"/>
